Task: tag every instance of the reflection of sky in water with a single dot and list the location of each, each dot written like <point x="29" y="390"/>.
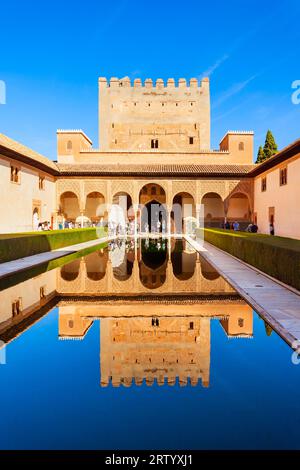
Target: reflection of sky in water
<point x="53" y="399"/>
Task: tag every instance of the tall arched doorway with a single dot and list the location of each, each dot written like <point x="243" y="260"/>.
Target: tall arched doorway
<point x="213" y="209"/>
<point x="239" y="209"/>
<point x="122" y="211"/>
<point x="35" y="218"/>
<point x="183" y="216"/>
<point x="94" y="208"/>
<point x="70" y="206"/>
<point x="153" y="216"/>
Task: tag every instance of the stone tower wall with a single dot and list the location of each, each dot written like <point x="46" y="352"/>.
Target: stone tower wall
<point x="154" y="116"/>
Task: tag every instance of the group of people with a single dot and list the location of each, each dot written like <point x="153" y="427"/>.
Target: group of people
<point x="44" y="226"/>
<point x="115" y="228"/>
<point x="65" y="225"/>
<point x="231" y="226"/>
<point x="69" y="224"/>
<point x="251" y="228"/>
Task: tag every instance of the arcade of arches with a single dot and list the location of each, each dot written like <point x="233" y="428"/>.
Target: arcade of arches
<point x="169" y="206"/>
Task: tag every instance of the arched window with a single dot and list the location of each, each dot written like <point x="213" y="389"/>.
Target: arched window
<point x="69" y="145"/>
<point x="241" y="146"/>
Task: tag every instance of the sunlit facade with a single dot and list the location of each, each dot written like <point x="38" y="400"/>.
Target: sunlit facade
<point x="154" y="153"/>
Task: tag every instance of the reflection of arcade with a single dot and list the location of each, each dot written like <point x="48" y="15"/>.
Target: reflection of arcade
<point x="167" y="347"/>
<point x="150" y="265"/>
<point x="23" y="304"/>
<point x="156" y="339"/>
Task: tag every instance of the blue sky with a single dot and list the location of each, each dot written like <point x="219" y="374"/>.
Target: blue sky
<point x="52" y="54"/>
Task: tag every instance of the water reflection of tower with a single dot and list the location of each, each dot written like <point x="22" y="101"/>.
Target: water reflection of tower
<point x="160" y="348"/>
<point x="155" y="349"/>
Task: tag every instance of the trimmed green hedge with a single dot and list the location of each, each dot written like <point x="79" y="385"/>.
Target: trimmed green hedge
<point x="17" y="245"/>
<point x="277" y="256"/>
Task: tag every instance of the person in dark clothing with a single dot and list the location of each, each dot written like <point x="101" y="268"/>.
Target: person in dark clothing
<point x="272" y="229"/>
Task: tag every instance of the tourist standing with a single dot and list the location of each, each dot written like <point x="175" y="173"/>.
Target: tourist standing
<point x="272" y="229"/>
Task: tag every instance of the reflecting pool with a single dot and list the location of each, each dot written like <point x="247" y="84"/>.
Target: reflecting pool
<point x="140" y="345"/>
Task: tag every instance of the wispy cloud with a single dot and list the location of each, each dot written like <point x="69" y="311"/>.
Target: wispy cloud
<point x="208" y="72"/>
<point x="242" y="104"/>
<point x="233" y="90"/>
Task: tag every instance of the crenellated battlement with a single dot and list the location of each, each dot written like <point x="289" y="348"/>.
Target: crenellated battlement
<point x="165" y="115"/>
<point x="115" y="82"/>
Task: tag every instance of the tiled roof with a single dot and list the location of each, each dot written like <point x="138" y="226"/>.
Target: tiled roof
<point x="154" y="169"/>
<point x="14" y="149"/>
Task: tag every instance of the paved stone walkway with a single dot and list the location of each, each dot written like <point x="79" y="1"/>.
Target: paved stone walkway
<point x="277" y="304"/>
<point x="21" y="264"/>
